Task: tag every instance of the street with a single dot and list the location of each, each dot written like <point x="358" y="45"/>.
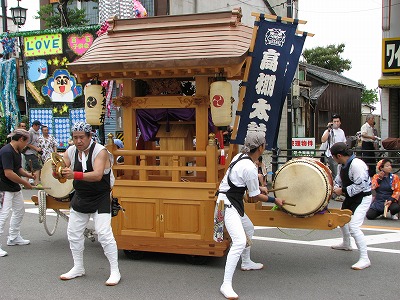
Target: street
<point x="299" y="264"/>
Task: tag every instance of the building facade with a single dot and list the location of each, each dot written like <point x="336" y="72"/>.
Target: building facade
<point x="390" y="79"/>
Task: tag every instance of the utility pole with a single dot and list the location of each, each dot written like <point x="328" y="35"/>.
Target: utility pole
<point x="289" y="12"/>
<point x="4" y="15"/>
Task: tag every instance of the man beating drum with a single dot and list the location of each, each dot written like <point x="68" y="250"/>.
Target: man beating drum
<point x="242" y="174"/>
<point x="89" y="165"/>
<point x="354" y="183"/>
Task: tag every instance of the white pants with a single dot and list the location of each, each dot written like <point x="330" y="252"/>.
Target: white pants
<point x="357" y="219"/>
<point x="238" y="228"/>
<point x="353" y="228"/>
<point x="102" y="225"/>
<point x="12" y="201"/>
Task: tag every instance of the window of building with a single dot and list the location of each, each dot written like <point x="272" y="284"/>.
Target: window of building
<point x="149" y="5"/>
<point x="91" y="9"/>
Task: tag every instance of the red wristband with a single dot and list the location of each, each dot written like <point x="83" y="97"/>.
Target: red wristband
<point x="78" y="175"/>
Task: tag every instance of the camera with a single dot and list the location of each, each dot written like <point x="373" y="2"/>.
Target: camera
<point x="330" y="125"/>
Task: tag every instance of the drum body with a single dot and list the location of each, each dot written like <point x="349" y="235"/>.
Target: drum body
<point x="52" y="186"/>
<point x="309" y="185"/>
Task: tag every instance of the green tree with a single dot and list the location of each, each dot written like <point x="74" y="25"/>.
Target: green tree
<point x="3" y="131"/>
<point x="54" y="19"/>
<point x="369" y="96"/>
<point x="328" y="57"/>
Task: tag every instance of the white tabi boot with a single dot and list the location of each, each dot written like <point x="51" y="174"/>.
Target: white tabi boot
<point x="345" y="244"/>
<point x="228" y="292"/>
<point x="78" y="269"/>
<point x="111" y="253"/>
<point x="247" y="263"/>
<point x="364" y="261"/>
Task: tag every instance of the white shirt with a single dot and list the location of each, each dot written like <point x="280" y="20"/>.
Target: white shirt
<point x="336" y="136"/>
<point x="243" y="173"/>
<point x="368" y="130"/>
<point x="358" y="174"/>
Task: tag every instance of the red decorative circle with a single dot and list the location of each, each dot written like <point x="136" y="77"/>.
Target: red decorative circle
<point x="218" y="100"/>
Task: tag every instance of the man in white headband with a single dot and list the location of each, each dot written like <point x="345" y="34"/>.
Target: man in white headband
<point x="242" y="174"/>
<point x="89" y="165"/>
<point x="11" y="198"/>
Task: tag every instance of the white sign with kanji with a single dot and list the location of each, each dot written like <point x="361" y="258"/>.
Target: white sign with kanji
<point x="303" y="143"/>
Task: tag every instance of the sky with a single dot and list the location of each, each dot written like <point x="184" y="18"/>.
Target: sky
<point x="357" y="24"/>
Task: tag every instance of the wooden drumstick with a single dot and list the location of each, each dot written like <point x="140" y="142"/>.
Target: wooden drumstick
<point x="278" y="189"/>
<point x="288" y="203"/>
<point x="30" y="166"/>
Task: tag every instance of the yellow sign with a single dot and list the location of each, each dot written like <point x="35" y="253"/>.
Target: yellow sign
<point x="391" y="55"/>
<point x="41" y="45"/>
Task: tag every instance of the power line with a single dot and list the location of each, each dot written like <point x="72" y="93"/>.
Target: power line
<point x="345" y="12"/>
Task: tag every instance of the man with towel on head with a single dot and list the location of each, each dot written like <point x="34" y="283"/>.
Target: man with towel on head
<point x="11" y="198"/>
<point x="242" y="174"/>
<point x="89" y="165"/>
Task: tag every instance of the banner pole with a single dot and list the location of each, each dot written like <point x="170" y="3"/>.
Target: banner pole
<point x="233" y="148"/>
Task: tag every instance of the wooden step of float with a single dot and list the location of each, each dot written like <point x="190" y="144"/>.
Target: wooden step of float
<point x="264" y="216"/>
<point x="52" y="203"/>
<point x="177" y="246"/>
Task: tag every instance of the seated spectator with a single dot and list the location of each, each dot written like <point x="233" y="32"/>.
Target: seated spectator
<point x="262" y="172"/>
<point x="387" y="187"/>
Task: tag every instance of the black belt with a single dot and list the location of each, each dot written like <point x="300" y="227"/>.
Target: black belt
<point x="367" y="194"/>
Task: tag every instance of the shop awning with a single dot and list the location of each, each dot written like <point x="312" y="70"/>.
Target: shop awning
<point x="168" y="46"/>
<point x="389" y="81"/>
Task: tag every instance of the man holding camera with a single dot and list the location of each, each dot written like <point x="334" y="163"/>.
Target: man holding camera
<point x="368" y="138"/>
<point x="33" y="152"/>
<point x="333" y="134"/>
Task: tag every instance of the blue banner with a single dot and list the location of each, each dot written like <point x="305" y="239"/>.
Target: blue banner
<point x="264" y="98"/>
<point x="297" y="48"/>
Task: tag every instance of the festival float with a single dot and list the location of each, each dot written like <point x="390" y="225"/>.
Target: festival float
<point x="174" y="71"/>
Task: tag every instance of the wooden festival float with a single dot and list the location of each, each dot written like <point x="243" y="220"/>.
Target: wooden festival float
<point x="168" y="191"/>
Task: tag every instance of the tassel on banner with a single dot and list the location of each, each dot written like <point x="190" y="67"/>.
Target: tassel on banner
<point x="222" y="157"/>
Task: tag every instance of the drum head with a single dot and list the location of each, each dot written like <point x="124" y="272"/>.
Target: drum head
<point x="52" y="186"/>
<point x="308" y="187"/>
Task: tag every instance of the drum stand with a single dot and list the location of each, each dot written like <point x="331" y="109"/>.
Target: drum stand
<point x="44" y="202"/>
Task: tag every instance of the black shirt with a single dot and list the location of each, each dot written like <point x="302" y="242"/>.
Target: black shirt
<point x="9" y="159"/>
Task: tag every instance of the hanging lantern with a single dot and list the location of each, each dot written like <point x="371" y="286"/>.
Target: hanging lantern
<point x="93" y="103"/>
<point x="220" y="103"/>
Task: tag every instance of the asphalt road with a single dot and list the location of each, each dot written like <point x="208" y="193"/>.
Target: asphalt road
<point x="299" y="264"/>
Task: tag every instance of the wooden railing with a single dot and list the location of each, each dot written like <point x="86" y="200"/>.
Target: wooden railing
<point x="146" y="165"/>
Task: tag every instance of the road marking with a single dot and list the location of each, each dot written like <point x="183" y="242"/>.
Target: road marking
<point x="388" y="235"/>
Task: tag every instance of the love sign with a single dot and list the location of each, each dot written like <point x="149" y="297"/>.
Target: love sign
<point x="80" y="44"/>
<point x="40" y="45"/>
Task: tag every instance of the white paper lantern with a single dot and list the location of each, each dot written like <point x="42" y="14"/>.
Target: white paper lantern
<point x="93" y="103"/>
<point x="220" y="103"/>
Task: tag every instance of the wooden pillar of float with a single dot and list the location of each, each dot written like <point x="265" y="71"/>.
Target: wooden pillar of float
<point x="202" y="88"/>
<point x="129" y="117"/>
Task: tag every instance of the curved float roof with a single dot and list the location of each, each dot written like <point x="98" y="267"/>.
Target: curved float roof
<point x="168" y="46"/>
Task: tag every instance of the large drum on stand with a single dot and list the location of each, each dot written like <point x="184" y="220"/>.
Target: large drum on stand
<point x="53" y="186"/>
<point x="309" y="186"/>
